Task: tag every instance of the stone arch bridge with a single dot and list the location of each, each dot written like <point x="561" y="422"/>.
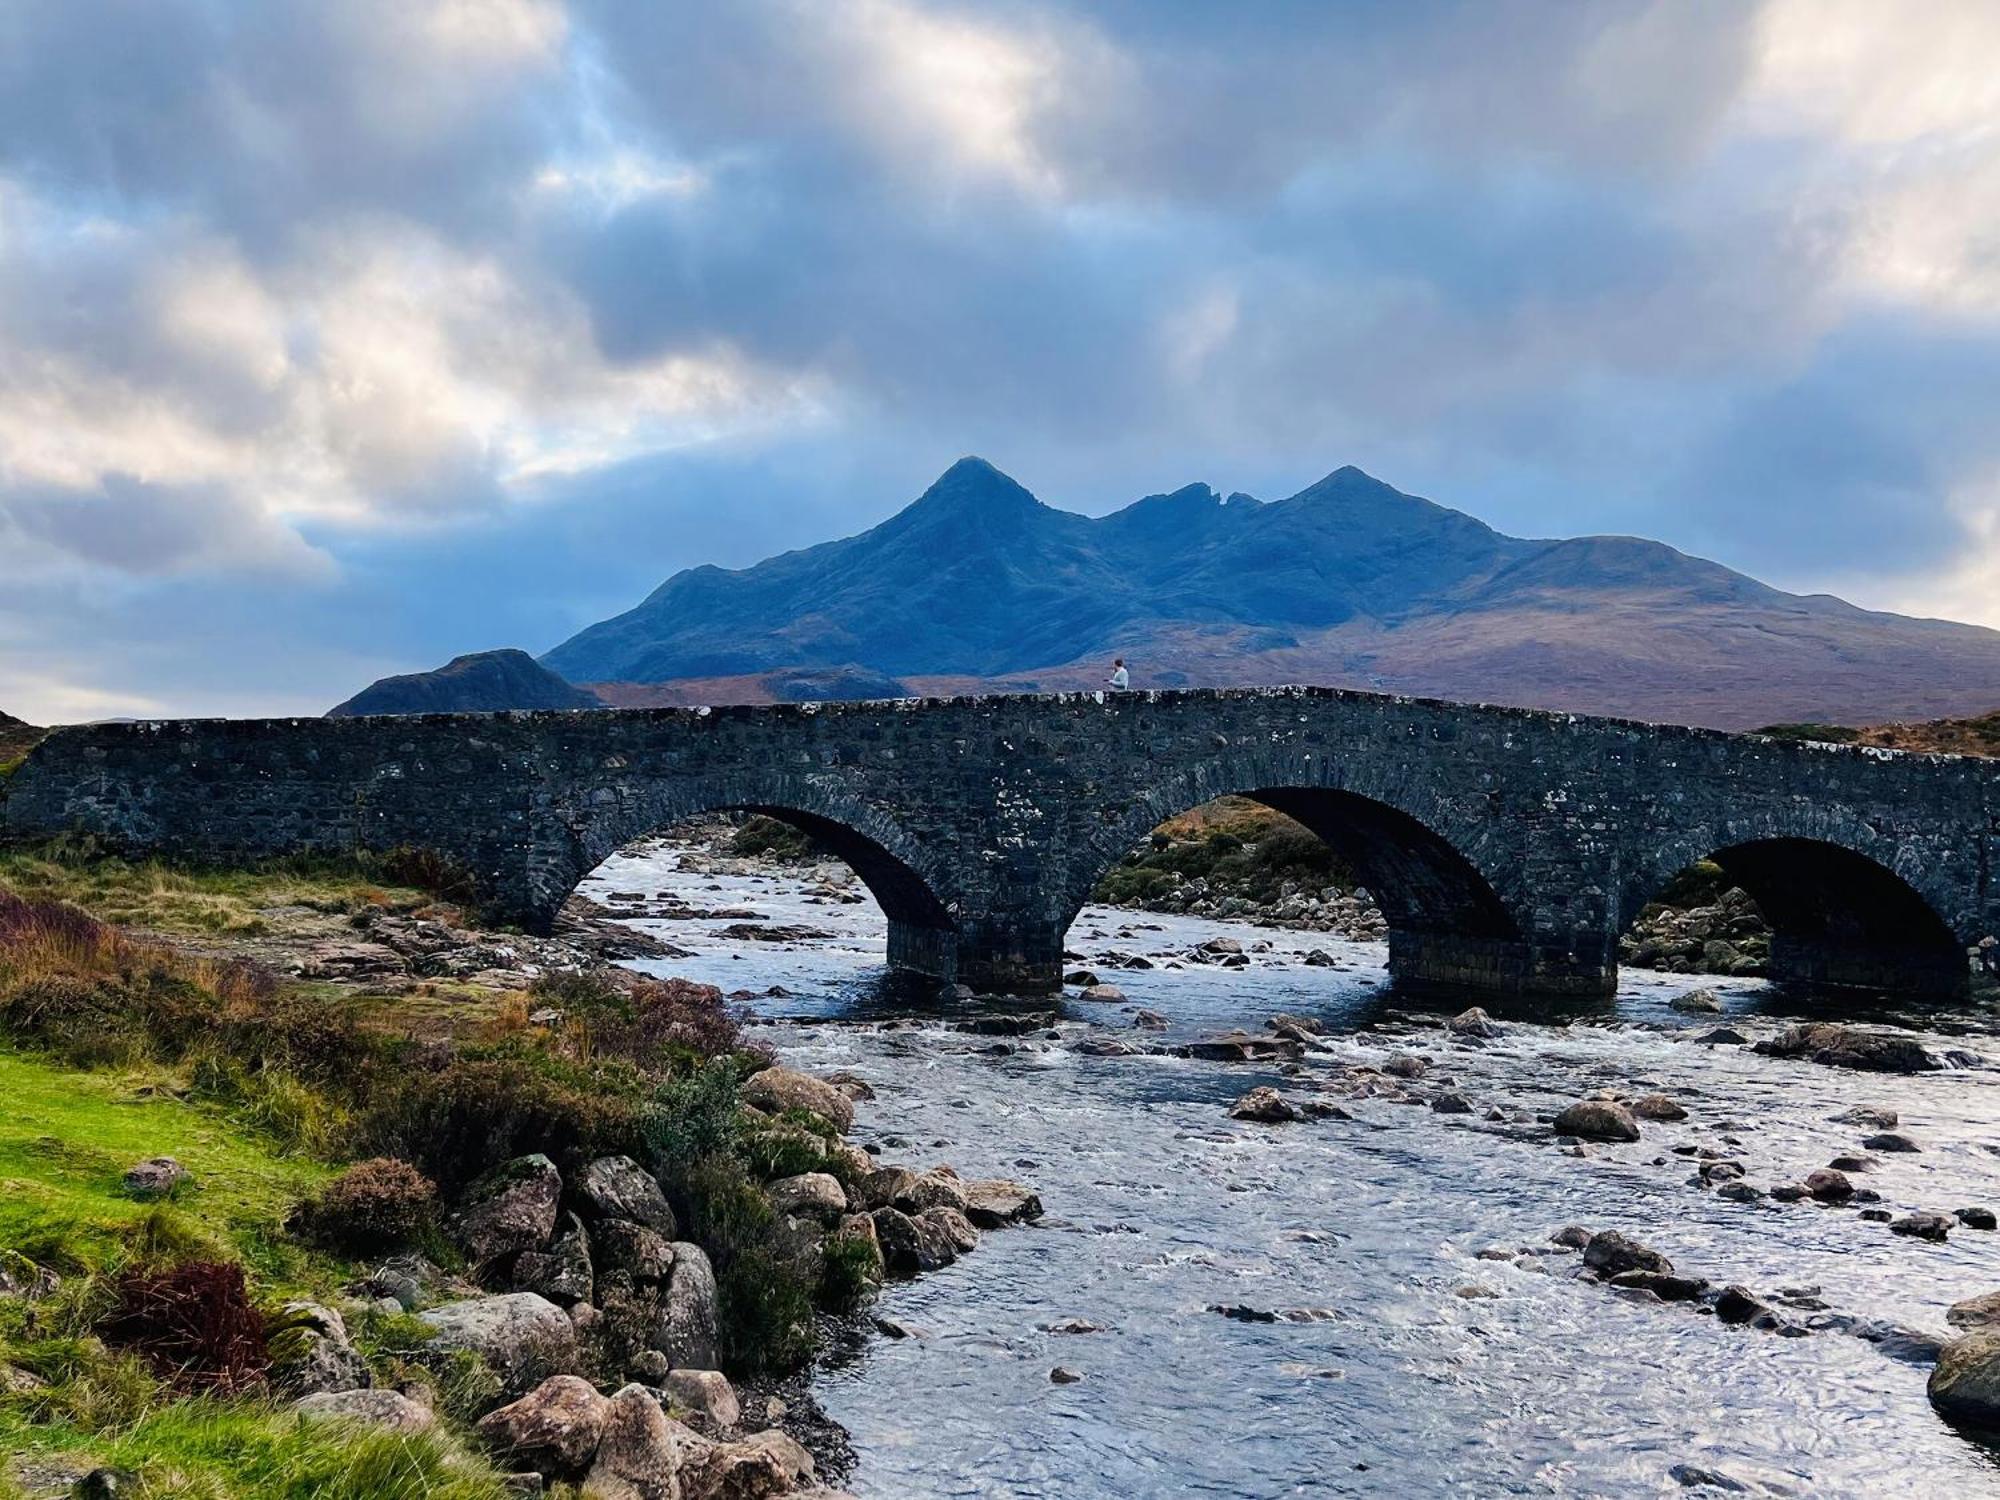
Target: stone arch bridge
<point x="1508" y="848"/>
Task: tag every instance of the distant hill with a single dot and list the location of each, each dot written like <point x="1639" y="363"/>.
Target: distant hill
<point x="482" y="682"/>
<point x="17" y="738"/>
<point x="980" y="586"/>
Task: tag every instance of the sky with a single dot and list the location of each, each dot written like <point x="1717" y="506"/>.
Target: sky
<point x="339" y="338"/>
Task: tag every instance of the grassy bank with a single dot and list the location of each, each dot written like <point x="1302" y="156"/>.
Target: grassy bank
<point x="118" y="1045"/>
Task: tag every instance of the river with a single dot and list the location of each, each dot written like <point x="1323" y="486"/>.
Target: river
<point x="1409" y="1366"/>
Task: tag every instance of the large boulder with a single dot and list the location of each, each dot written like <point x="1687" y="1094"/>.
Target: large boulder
<point x="644" y="1254"/>
<point x="523" y="1338"/>
<point x="155" y="1177"/>
<point x="617" y="1187"/>
<point x="1598" y="1120"/>
<point x="780" y="1089"/>
<point x="688" y="1318"/>
<point x="561" y="1273"/>
<point x="707" y="1393"/>
<point x="642" y="1452"/>
<point x="554" y="1429"/>
<point x="994" y="1201"/>
<point x="764" y="1464"/>
<point x="1839" y="1046"/>
<point x="391" y="1411"/>
<point x="1982" y="1311"/>
<point x="310" y="1352"/>
<point x="953" y="1225"/>
<point x="912" y="1245"/>
<point x="511" y="1208"/>
<point x="815" y="1195"/>
<point x="1965" y="1386"/>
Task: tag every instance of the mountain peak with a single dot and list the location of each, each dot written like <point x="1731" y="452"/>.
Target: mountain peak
<point x="974" y="484"/>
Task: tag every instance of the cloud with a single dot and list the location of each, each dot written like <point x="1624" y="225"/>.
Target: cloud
<point x="355" y="307"/>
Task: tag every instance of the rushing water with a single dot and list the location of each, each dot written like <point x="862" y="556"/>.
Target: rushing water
<point x="1394" y="1381"/>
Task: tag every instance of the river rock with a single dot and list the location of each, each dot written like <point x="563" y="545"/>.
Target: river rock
<point x="1965" y="1386"/>
<point x="955" y="1226"/>
<point x="554" y="1429"/>
<point x="993" y="1202"/>
<point x="1571" y="1237"/>
<point x="1891" y="1141"/>
<point x="763" y="1464"/>
<point x="1697" y="1003"/>
<point x="1657" y="1107"/>
<point x="644" y="1254"/>
<point x="1080" y="978"/>
<point x="882" y="1187"/>
<point x="1265" y="1105"/>
<point x="688" y="1319"/>
<point x="1473" y="1022"/>
<point x="1150" y="1020"/>
<point x="1667" y="1287"/>
<point x="780" y="1089"/>
<point x="511" y="1208"/>
<point x="1244" y="1046"/>
<point x="1220" y="947"/>
<point x="1610" y="1252"/>
<point x="814" y="1195"/>
<point x="154" y="1178"/>
<point x="1847" y="1162"/>
<point x="1108" y="994"/>
<point x="1406" y="1065"/>
<point x="391" y="1411"/>
<point x="1829" y="1185"/>
<point x="1736" y="1305"/>
<point x="1868" y="1118"/>
<point x="561" y="1273"/>
<point x="310" y="1352"/>
<point x="1982" y="1311"/>
<point x="523" y="1338"/>
<point x="912" y="1245"/>
<point x="1451" y="1103"/>
<point x="1976" y="1218"/>
<point x="708" y="1393"/>
<point x="1922" y="1226"/>
<point x="617" y="1187"/>
<point x="1598" y="1120"/>
<point x="938" y="1188"/>
<point x="1839" y="1046"/>
<point x="642" y="1452"/>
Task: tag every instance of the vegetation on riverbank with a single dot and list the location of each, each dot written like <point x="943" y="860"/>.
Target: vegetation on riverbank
<point x="1974" y="736"/>
<point x="1239" y="848"/>
<point x="117" y="1047"/>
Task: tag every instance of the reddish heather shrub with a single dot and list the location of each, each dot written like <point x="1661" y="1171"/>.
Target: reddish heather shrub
<point x="671" y="1022"/>
<point x="375" y="1205"/>
<point x="194" y="1325"/>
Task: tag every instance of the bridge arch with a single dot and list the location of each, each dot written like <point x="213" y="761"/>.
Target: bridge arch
<point x="1848" y="904"/>
<point x="1444" y="884"/>
<point x="897" y="868"/>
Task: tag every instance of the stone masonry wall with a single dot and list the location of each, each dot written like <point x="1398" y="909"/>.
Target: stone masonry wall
<point x="1509" y="847"/>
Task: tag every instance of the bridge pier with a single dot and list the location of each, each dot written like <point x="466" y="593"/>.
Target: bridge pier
<point x="917" y="949"/>
<point x="1500" y="966"/>
<point x="1003" y="958"/>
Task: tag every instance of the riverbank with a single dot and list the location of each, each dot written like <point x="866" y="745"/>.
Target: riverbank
<point x="488" y="1215"/>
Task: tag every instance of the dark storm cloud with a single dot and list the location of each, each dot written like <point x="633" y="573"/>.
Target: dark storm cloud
<point x="480" y="316"/>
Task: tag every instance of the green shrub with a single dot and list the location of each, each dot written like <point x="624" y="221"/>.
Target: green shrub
<point x="694" y="1118"/>
<point x="764" y="1303"/>
<point x="850" y="1272"/>
<point x="457" y="1119"/>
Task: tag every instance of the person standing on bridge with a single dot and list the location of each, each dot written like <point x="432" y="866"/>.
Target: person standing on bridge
<point x="1121" y="680"/>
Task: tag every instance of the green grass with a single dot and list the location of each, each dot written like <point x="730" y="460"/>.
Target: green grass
<point x="66" y="1138"/>
<point x="247" y="1450"/>
<point x="166" y="898"/>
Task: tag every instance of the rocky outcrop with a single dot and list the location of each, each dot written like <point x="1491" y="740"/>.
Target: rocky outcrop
<point x="1729" y="936"/>
<point x="482" y="682"/>
<point x="993" y="1203"/>
<point x="689" y="1320"/>
<point x="641" y="1452"/>
<point x="311" y="1354"/>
